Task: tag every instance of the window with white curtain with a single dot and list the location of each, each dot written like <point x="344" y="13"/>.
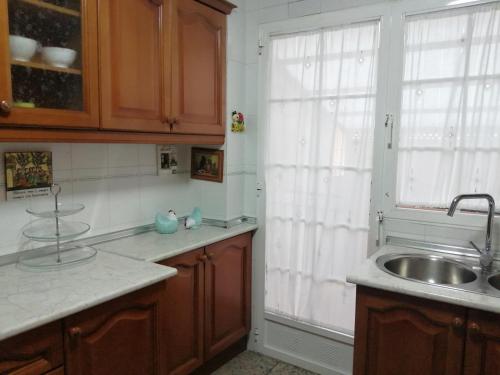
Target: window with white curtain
<point x="449" y="136"/>
<point x="320" y="120"/>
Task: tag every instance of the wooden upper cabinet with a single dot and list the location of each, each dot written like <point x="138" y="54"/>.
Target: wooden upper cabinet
<point x="33" y="353"/>
<point x="483" y="344"/>
<point x="199" y="69"/>
<point x="184" y="312"/>
<point x="38" y="88"/>
<point x="118" y="337"/>
<point x="135" y="74"/>
<point x="227" y="292"/>
<point x="398" y="334"/>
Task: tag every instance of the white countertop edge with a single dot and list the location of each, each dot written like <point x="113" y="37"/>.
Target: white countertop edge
<point x="63" y="313"/>
<point x="369" y="275"/>
<point x="231" y="233"/>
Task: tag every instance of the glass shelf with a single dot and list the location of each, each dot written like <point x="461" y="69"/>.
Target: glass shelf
<point x="47" y="259"/>
<point x="43" y="66"/>
<point x="63" y="210"/>
<point x="43" y="230"/>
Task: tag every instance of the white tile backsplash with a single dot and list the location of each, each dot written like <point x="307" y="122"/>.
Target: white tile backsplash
<point x="117" y="183"/>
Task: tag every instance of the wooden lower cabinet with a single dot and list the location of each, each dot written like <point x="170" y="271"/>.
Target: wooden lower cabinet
<point x="402" y="335"/>
<point x="227" y="292"/>
<point x="207" y="302"/>
<point x="184" y="312"/>
<point x="122" y="336"/>
<point x="172" y="327"/>
<point x="35" y="352"/>
<point x="482" y="356"/>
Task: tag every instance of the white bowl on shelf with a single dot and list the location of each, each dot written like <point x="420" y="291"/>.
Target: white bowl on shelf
<point x="58" y="57"/>
<point x="21" y="48"/>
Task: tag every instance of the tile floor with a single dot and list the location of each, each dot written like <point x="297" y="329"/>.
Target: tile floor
<point x="251" y="363"/>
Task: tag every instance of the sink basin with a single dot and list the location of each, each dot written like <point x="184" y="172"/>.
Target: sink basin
<point x="495" y="281"/>
<point x="429" y="269"/>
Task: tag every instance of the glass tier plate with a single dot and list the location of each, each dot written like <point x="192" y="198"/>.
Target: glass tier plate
<point x="46" y="259"/>
<point x="62" y="210"/>
<point x="45" y="230"/>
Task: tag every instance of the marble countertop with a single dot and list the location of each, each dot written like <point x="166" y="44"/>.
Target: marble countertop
<point x="30" y="299"/>
<point x="155" y="247"/>
<point x="368" y="274"/>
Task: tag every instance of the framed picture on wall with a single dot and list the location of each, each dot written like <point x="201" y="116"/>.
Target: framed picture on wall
<point x="28" y="174"/>
<point x="207" y="164"/>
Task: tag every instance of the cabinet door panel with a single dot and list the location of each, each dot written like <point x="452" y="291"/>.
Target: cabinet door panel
<point x="34" y="352"/>
<point x="228" y="285"/>
<point x="482" y="353"/>
<point x="184" y="312"/>
<point x="41" y="90"/>
<point x="118" y="337"/>
<point x="131" y="46"/>
<point x="398" y="334"/>
<point x="198" y="69"/>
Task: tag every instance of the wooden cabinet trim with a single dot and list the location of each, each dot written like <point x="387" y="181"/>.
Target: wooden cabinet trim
<point x="221" y="5"/>
<point x="83" y="136"/>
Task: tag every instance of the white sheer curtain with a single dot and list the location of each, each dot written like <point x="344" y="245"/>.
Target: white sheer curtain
<point x="449" y="139"/>
<point x="320" y="119"/>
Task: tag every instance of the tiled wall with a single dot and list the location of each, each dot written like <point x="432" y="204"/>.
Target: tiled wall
<point x="117" y="184"/>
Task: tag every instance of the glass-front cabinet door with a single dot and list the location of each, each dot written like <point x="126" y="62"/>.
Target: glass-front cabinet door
<point x="48" y="63"/>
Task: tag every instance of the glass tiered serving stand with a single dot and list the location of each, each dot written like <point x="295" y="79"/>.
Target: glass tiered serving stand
<point x="49" y="227"/>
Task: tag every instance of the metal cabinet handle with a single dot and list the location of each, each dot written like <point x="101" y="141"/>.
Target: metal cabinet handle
<point x="203" y="258"/>
<point x="5" y="106"/>
<point x="458" y="322"/>
<point x="75" y="332"/>
<point x="474" y="328"/>
<point x="211" y="255"/>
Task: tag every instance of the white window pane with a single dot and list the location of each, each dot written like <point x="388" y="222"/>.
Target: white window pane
<point x="449" y="131"/>
<point x="318" y="169"/>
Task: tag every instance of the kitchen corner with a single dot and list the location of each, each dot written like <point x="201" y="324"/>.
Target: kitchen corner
<point x="30" y="299"/>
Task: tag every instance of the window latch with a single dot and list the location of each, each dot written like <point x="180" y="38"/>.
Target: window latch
<point x="380" y="220"/>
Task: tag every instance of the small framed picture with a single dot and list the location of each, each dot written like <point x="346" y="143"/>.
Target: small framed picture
<point x="167" y="160"/>
<point x="28" y="174"/>
<point x="207" y="164"/>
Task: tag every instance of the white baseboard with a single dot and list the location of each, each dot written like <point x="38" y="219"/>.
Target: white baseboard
<point x="308" y="350"/>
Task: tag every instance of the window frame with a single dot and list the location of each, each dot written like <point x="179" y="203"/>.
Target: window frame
<point x="412" y="217"/>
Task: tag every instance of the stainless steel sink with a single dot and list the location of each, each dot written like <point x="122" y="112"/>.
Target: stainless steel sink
<point x="431" y="269"/>
<point x="494" y="281"/>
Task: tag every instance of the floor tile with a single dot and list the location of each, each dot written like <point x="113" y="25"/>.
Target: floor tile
<point x="284" y="368"/>
<point x="248" y="363"/>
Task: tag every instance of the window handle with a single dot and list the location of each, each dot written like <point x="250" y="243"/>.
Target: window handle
<point x="389" y="122"/>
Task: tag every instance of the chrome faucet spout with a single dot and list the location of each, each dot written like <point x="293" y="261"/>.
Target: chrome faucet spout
<point x="486" y="257"/>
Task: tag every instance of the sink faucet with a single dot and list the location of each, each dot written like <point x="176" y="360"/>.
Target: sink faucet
<point x="485" y="256"/>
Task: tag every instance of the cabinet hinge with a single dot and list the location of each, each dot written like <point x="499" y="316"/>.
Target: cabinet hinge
<point x="256" y="335"/>
<point x="260" y="46"/>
